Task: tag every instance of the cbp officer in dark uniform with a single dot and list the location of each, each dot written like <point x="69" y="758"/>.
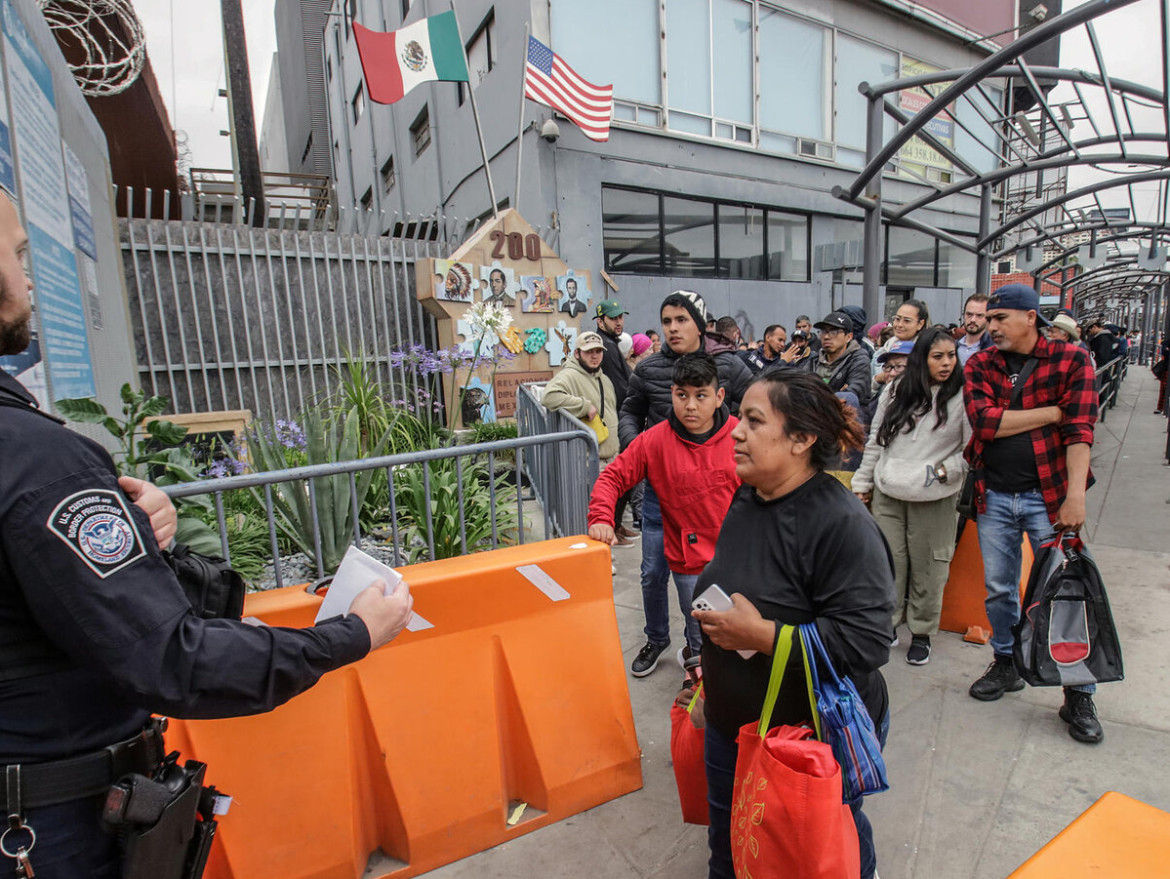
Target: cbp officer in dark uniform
<point x="95" y="631"/>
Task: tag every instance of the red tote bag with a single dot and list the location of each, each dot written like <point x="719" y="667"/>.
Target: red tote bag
<point x="690" y="769"/>
<point x="787" y="818"/>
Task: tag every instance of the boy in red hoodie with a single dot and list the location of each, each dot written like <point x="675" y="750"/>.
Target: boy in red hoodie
<point x="690" y="462"/>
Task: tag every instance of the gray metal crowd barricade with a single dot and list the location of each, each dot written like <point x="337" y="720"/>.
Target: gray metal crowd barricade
<point x="561" y="478"/>
<point x="558" y="453"/>
<point x="1108" y="381"/>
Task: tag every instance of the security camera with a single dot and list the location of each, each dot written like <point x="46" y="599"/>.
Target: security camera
<point x="550" y="131"/>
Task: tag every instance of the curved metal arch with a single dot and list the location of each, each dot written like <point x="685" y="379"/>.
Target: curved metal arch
<point x="1009" y="71"/>
<point x="1134" y="283"/>
<point x="1120" y="236"/>
<point x="1061" y="229"/>
<point x="1040" y="34"/>
<point x="1051" y="160"/>
<point x="1070" y="196"/>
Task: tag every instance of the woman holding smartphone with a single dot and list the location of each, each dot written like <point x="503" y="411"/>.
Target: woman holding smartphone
<point x="796" y="547"/>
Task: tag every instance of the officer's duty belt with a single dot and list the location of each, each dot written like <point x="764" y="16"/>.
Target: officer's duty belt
<point x="33" y="785"/>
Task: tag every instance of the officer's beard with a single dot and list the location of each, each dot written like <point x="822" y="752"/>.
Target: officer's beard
<point x="14" y="337"/>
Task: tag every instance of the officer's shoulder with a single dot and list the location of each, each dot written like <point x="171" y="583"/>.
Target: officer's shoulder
<point x="44" y="451"/>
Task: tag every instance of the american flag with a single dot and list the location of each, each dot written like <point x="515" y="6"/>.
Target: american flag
<point x="551" y="81"/>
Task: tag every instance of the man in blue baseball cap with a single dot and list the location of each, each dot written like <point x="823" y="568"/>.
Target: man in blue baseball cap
<point x="1032" y="406"/>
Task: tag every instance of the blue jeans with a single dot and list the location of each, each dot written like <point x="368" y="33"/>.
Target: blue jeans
<point x="71" y="842"/>
<point x="720" y="754"/>
<point x="656" y="573"/>
<point x="1002" y="526"/>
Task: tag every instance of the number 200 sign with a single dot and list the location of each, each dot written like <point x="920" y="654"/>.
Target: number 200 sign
<point x="519" y="246"/>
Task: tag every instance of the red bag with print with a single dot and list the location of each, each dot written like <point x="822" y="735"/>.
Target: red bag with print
<point x="690" y="769"/>
<point x="787" y="818"/>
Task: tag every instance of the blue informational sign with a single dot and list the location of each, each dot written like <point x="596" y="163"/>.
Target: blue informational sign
<point x="47" y="212"/>
<point x="64" y="340"/>
<point x="83" y="235"/>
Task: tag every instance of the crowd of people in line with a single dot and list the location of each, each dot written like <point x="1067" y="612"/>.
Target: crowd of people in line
<point x="815" y="478"/>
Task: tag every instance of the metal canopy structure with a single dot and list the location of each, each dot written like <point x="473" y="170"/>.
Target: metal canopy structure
<point x="1101" y="242"/>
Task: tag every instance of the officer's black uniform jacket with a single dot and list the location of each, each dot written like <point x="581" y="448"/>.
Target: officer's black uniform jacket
<point x="88" y="604"/>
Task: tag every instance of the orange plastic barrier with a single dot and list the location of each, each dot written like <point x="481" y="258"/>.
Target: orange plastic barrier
<point x="1116" y="836"/>
<point x="965" y="592"/>
<point x="425" y="747"/>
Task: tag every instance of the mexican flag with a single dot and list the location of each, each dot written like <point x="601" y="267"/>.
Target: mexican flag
<point x="397" y="61"/>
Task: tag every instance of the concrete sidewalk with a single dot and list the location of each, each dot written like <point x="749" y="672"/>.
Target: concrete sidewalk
<point x="976" y="788"/>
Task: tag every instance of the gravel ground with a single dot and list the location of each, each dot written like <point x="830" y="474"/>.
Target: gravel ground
<point x="298" y="568"/>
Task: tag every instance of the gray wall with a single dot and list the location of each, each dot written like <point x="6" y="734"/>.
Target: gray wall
<point x="561" y="183"/>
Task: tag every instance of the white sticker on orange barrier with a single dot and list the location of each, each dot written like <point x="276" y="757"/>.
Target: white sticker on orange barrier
<point x="417" y="623"/>
<point x="535" y="575"/>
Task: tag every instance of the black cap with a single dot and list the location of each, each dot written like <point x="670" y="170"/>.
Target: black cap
<point x="835" y="320"/>
<point x="1018" y="297"/>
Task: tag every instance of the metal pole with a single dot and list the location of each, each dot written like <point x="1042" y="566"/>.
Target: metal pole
<point x="520" y="129"/>
<point x="872" y="257"/>
<point x="487" y="170"/>
<point x="243" y="119"/>
<point x="982" y="258"/>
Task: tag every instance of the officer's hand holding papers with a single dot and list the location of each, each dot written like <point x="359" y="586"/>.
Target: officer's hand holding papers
<point x="374" y="592"/>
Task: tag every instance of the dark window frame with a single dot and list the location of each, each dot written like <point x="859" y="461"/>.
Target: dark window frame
<point x="716" y="203"/>
<point x="422" y="119"/>
<point x="488" y="21"/>
<point x="389" y="174"/>
<point x="359" y="94"/>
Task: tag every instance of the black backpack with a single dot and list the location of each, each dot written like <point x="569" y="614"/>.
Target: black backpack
<point x="1065" y="636"/>
<point x="214" y="590"/>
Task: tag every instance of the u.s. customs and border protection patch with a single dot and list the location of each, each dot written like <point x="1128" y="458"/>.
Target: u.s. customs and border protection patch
<point x="97" y="526"/>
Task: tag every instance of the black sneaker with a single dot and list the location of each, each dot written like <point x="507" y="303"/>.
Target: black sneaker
<point x="1079" y="712"/>
<point x="919" y="652"/>
<point x="647" y="659"/>
<point x="1001" y="677"/>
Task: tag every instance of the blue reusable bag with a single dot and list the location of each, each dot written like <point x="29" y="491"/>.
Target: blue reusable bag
<point x="843" y="722"/>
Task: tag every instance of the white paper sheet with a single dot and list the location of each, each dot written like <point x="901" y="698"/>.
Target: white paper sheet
<point x="359" y="569"/>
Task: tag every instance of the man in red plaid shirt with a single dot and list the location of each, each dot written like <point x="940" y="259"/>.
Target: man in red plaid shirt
<point x="1030" y="453"/>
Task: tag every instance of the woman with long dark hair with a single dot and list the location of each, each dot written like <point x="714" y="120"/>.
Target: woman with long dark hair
<point x="795" y="547"/>
<point x="910" y="473"/>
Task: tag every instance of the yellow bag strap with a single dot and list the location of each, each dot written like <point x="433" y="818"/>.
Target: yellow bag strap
<point x="695" y="698"/>
<point x="779" y="664"/>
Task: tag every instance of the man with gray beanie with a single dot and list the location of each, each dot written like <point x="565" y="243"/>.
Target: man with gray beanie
<point x="648" y="401"/>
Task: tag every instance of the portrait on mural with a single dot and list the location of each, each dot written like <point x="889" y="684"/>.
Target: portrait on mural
<point x="575" y="293"/>
<point x="454" y="281"/>
<point x="498" y="284"/>
<point x="537" y="294"/>
<point x="478" y="403"/>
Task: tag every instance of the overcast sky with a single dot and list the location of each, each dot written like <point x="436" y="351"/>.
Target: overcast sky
<point x="1129" y="38"/>
<point x="191" y="75"/>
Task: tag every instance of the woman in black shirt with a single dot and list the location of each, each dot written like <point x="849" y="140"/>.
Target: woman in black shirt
<point x="796" y="547"/>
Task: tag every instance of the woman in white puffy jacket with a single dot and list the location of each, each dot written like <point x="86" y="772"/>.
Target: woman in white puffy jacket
<point x="911" y="472"/>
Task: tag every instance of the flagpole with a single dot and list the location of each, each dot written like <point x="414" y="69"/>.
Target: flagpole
<point x="520" y="130"/>
<point x="475" y="113"/>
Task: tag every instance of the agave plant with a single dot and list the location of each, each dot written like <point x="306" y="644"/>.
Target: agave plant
<point x="460" y="506"/>
<point x="328" y="440"/>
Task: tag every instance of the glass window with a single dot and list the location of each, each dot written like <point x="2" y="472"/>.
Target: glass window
<point x="631" y="231"/>
<point x="787" y="247"/>
<point x="688" y="56"/>
<point x="688" y="237"/>
<point x="480" y="54"/>
<point x="793" y="72"/>
<point x="420" y="131"/>
<point x="859" y="62"/>
<point x="612" y="41"/>
<point x="359" y="103"/>
<point x="968" y="146"/>
<point x="741" y="242"/>
<point x="732" y="21"/>
<point x="388" y="178"/>
<point x="956" y="267"/>
<point x="911" y="258"/>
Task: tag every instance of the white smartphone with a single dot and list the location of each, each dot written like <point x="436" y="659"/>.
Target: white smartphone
<point x="714" y="598"/>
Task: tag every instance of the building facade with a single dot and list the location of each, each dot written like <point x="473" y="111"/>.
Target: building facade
<point x="733" y="121"/>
